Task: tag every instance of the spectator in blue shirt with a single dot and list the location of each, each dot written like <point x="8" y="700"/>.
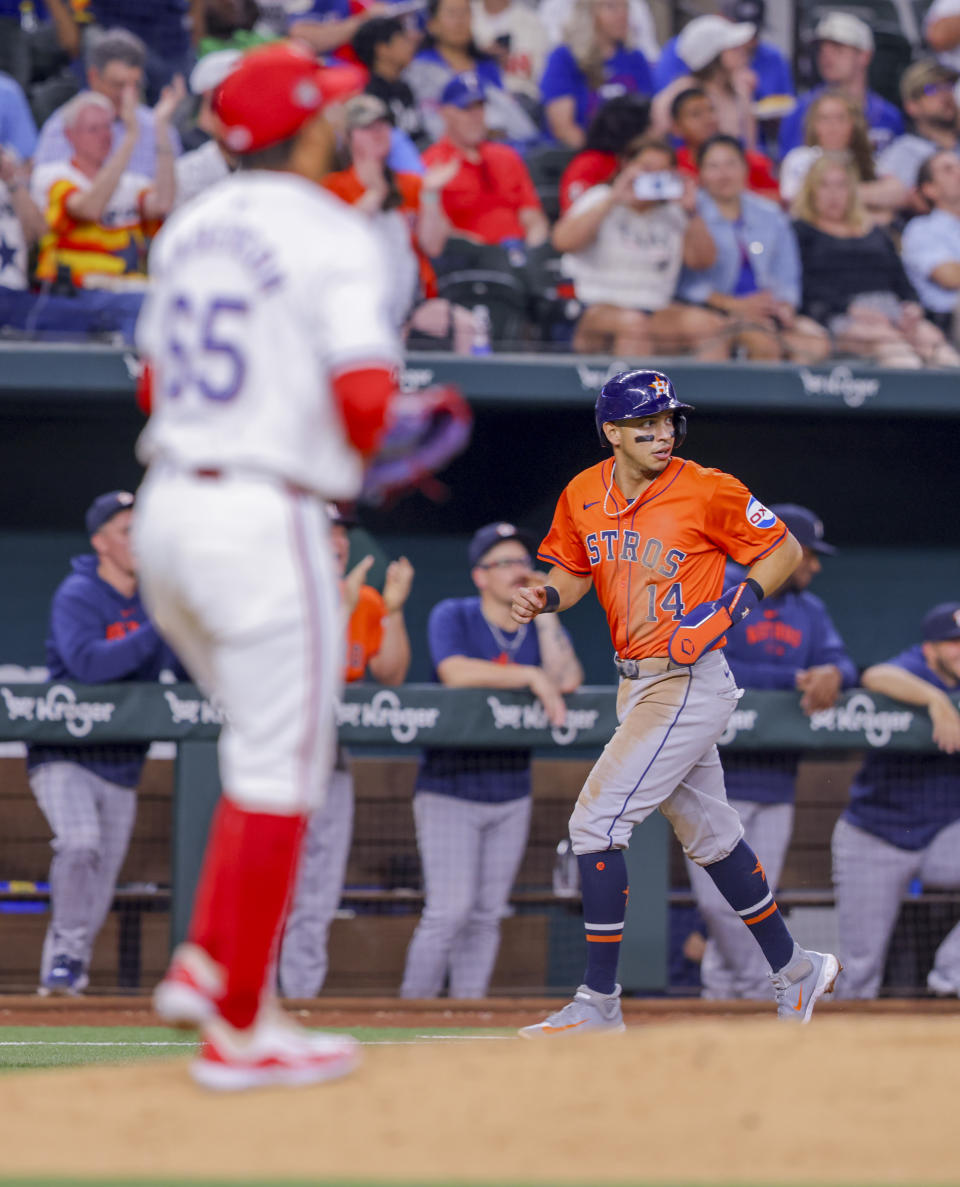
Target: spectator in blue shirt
<point x="596" y="63"/>
<point x="115" y="62"/>
<point x="448" y="50"/>
<point x="17" y="129"/>
<point x="903" y="819"/>
<point x="792" y="645"/>
<point x="472" y="807"/>
<point x="755" y="278"/>
<point x="767" y="62"/>
<point x="844" y="50"/>
<point x="931" y="243"/>
<point x="99" y="633"/>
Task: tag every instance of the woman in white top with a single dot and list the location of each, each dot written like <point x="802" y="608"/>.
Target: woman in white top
<point x="624" y="246"/>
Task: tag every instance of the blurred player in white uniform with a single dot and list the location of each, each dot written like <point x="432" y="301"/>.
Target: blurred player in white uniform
<point x="270" y="368"/>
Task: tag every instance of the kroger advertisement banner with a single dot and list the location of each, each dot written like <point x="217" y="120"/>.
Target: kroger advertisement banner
<point x="417" y="715"/>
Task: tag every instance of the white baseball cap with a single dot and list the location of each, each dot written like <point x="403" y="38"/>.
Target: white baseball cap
<point x="706" y="37"/>
<point x="845" y="29"/>
<point x="212" y="69"/>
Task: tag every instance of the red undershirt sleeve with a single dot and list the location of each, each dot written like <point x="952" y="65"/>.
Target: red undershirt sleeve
<point x="363" y="396"/>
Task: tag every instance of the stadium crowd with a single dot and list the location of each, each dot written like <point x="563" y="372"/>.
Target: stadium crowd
<point x="542" y="175"/>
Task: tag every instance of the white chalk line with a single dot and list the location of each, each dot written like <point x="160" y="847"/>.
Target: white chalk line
<point x="418" y="1041"/>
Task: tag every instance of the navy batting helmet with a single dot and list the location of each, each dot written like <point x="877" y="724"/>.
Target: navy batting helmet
<point x="640" y="393"/>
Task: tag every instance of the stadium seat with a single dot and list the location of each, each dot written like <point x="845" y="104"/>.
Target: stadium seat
<point x="479" y="274"/>
<point x="546" y="166"/>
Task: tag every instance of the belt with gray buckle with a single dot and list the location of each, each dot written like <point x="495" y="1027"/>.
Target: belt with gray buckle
<point x="634" y="669"/>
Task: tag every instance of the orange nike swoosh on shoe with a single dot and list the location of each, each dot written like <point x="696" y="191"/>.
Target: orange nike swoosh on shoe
<point x="552" y="1030"/>
<point x="799" y="1005"/>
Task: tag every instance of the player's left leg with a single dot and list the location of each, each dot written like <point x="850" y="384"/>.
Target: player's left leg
<point x="733" y="965"/>
<point x="503" y="841"/>
<point x="117" y="811"/>
<point x="699" y="813"/>
<point x="448" y="839"/>
<point x="941" y="869"/>
<point x="323" y="866"/>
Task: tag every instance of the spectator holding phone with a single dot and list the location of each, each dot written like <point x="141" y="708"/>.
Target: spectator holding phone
<point x="624" y="245"/>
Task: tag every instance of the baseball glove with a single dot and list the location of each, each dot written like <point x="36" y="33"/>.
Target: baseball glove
<point x="425" y="430"/>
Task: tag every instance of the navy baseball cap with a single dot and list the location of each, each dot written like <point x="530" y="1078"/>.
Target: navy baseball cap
<point x="942" y="622"/>
<point x="806" y="527"/>
<point x="105" y="507"/>
<point x="463" y="90"/>
<point x="344" y="516"/>
<point x="493" y="534"/>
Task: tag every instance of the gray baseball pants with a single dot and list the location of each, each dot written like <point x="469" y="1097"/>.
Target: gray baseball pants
<point x="470" y="853"/>
<point x="92" y="820"/>
<point x="323" y="868"/>
<point x="870" y="879"/>
<point x="733" y="964"/>
<point x="663" y="755"/>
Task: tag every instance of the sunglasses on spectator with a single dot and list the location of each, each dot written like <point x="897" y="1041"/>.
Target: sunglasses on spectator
<point x="933" y="88"/>
<point x="510" y="562"/>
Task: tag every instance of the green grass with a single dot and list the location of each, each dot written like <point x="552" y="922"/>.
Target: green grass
<point x="78" y="1046"/>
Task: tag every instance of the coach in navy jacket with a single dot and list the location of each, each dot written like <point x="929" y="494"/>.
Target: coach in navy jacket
<point x="903" y="819"/>
<point x="99" y="633"/>
<point x="790" y="643"/>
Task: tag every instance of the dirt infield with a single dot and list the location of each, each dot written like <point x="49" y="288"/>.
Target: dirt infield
<point x="100" y="1010"/>
<point x="847" y="1100"/>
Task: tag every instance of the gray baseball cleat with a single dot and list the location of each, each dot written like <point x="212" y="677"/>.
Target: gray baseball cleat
<point x="800" y="984"/>
<point x="589" y="1011"/>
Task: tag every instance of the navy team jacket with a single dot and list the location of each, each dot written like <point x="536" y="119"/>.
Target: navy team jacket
<point x="97" y="636"/>
<point x="788" y="632"/>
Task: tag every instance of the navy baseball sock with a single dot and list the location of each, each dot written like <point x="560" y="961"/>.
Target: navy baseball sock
<point x="604" y="883"/>
<point x="740" y="879"/>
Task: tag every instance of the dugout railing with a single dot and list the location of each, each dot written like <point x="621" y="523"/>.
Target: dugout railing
<point x="385" y="730"/>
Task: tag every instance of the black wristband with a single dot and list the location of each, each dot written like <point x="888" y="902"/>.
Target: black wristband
<point x="552" y="602"/>
<point x="756" y="587"/>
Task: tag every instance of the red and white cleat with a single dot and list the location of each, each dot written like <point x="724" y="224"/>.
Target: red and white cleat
<point x="188" y="994"/>
<point x="272" y="1051"/>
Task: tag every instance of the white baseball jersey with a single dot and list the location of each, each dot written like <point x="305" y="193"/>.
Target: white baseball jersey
<point x="262" y="289"/>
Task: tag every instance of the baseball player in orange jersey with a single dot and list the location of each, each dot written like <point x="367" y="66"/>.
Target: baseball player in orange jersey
<point x="652" y="533"/>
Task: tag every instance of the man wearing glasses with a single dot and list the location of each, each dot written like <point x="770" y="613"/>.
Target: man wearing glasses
<point x="472" y="807"/>
<point x="928" y="99"/>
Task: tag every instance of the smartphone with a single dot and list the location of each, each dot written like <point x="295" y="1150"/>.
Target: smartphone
<point x="657" y="187"/>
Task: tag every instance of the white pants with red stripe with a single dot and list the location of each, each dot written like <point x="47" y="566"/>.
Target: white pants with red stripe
<point x="238" y="576"/>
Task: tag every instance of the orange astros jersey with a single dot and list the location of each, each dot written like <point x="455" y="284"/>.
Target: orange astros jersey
<point x="657" y="557"/>
<point x="364" y="633"/>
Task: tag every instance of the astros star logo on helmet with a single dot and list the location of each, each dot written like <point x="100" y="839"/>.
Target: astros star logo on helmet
<point x="660" y="386"/>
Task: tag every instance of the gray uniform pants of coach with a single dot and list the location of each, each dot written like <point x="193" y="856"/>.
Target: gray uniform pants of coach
<point x="870" y="880"/>
<point x="323" y="868"/>
<point x="733" y="964"/>
<point x="470" y="853"/>
<point x="92" y="820"/>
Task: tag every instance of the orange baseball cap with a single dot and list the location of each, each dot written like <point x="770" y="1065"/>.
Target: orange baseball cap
<point x="274" y="90"/>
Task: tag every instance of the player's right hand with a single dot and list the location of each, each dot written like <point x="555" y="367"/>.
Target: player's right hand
<point x="547" y="693"/>
<point x="946" y="725"/>
<point x="527" y="603"/>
